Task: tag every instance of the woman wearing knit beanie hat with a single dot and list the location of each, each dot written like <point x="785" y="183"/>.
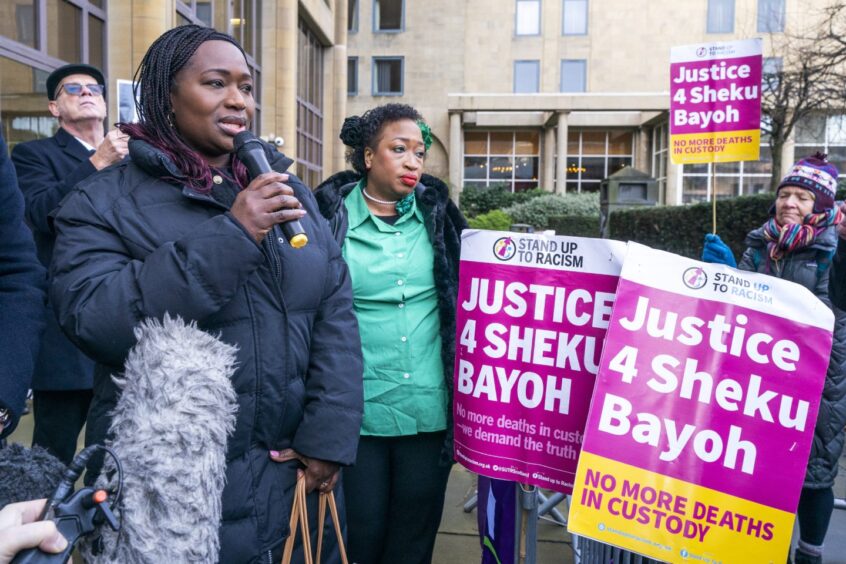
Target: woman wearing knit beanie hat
<point x="797" y="243"/>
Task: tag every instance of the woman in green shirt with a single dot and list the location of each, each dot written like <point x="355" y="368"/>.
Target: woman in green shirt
<point x="401" y="237"/>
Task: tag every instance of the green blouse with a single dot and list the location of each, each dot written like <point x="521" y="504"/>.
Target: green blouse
<point x="396" y="304"/>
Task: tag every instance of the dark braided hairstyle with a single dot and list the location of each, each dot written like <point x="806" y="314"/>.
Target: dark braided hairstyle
<point x="154" y="82"/>
<point x="363" y="131"/>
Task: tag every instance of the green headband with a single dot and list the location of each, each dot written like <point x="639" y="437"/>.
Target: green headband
<point x="427" y="133"/>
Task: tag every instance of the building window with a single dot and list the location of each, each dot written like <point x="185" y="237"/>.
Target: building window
<point x="770" y="74"/>
<point x="526" y="77"/>
<point x="388" y="15"/>
<point x="826" y="134"/>
<point x="527" y="20"/>
<point x="770" y="16"/>
<point x="575" y="17"/>
<point x="730" y="179"/>
<point x="352" y="76"/>
<point x="309" y="106"/>
<point x="37" y="37"/>
<point x="501" y="158"/>
<point x="573" y="77"/>
<point x="659" y="149"/>
<point x="245" y="26"/>
<point x="593" y="156"/>
<point x="387" y="76"/>
<point x="720" y="16"/>
<point x="352" y="16"/>
<point x="195" y="12"/>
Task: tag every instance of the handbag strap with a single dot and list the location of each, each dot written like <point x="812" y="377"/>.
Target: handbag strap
<point x="329" y="499"/>
<point x="299" y="516"/>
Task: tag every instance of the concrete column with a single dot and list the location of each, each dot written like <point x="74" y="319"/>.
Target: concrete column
<point x="548" y="166"/>
<point x="456" y="152"/>
<point x="787" y="157"/>
<point x="561" y="153"/>
<point x="286" y="77"/>
<point x="339" y="105"/>
<point x="673" y="192"/>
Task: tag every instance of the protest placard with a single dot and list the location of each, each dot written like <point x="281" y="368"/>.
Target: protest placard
<point x="703" y="413"/>
<point x="532" y="314"/>
<point x="715" y="102"/>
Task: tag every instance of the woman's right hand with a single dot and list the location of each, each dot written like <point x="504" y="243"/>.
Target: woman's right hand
<point x="266" y="202"/>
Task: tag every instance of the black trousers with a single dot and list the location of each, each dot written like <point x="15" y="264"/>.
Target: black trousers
<point x="814" y="514"/>
<point x="395" y="498"/>
<point x="59" y="417"/>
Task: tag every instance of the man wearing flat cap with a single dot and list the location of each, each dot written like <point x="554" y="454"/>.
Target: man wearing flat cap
<point x="47" y="170"/>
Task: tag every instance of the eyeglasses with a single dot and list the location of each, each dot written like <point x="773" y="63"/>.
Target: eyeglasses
<point x="75" y="88"/>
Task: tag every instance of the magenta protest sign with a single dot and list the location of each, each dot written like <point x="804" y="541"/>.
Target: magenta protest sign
<point x="532" y="315"/>
<point x="703" y="412"/>
<point x="715" y="102"/>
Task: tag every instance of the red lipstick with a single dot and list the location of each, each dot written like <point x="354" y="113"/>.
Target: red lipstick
<point x="409" y="180"/>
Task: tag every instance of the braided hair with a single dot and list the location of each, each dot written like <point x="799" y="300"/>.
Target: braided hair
<point x="153" y="84"/>
<point x="359" y="132"/>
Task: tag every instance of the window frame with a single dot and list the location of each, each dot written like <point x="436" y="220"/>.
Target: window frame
<point x="354" y="61"/>
<point x="712" y="9"/>
<point x="583" y="77"/>
<point x="564" y="13"/>
<point x="536" y="63"/>
<point x="517" y="18"/>
<point x="765" y="20"/>
<point x="377" y="29"/>
<point x="375" y="79"/>
<point x="606" y="156"/>
<point x="353" y="16"/>
<point x="488" y="182"/>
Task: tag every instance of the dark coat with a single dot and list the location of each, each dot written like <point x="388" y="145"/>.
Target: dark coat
<point x="22" y="284"/>
<point x="444" y="224"/>
<point x="810" y="268"/>
<point x="47" y="170"/>
<point x="132" y="246"/>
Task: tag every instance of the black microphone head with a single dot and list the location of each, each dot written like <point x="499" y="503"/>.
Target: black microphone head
<point x="244" y="138"/>
<point x="28" y="473"/>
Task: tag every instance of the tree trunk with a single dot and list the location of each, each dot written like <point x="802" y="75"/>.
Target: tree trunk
<point x="775" y="176"/>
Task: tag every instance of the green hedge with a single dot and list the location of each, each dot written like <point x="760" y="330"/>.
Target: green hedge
<point x="681" y="229"/>
<point x="575" y="225"/>
<point x="496" y="220"/>
<point x="537" y="211"/>
<point x="476" y="201"/>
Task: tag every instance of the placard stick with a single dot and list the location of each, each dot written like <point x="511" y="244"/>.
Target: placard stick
<point x="712" y="190"/>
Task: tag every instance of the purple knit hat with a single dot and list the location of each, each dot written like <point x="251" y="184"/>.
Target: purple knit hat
<point x="816" y="174"/>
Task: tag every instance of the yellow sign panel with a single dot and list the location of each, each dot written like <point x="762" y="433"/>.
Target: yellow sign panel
<point x="673" y="520"/>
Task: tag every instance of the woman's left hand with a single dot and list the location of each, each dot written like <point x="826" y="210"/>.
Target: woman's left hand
<point x="319" y="474"/>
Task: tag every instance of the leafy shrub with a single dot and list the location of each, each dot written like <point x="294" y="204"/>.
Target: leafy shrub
<point x="682" y="229"/>
<point x="537" y="211"/>
<point x="575" y="225"/>
<point x="475" y="201"/>
<point x="496" y="220"/>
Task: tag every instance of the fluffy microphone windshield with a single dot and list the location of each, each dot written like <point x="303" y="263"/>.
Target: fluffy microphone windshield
<point x="28" y="473"/>
<point x="170" y="426"/>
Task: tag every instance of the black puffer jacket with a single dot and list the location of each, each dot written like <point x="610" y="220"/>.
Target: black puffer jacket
<point x="131" y="246"/>
<point x="810" y="267"/>
<point x="444" y="224"/>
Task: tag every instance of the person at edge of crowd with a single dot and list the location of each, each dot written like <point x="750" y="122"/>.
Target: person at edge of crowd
<point x="401" y="238"/>
<point x="47" y="170"/>
<point x="797" y="243"/>
<point x="19" y="530"/>
<point x="22" y="284"/>
<point x="179" y="228"/>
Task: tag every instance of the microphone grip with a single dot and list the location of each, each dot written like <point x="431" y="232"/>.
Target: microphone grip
<point x="295" y="233"/>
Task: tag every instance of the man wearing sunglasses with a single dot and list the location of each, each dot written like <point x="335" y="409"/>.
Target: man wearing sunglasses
<point x="47" y="170"/>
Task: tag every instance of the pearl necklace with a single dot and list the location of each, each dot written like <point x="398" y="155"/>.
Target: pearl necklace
<point x="378" y="201"/>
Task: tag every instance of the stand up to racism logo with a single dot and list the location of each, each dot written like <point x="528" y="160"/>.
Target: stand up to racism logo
<point x="504" y="248"/>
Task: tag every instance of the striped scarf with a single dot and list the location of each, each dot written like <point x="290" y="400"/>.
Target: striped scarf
<point x="784" y="239"/>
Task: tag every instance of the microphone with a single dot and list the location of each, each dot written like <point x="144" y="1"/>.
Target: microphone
<point x="28" y="473"/>
<point x="250" y="151"/>
<point x="170" y="428"/>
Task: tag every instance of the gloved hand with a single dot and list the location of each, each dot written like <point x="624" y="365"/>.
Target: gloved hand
<point x="717" y="252"/>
